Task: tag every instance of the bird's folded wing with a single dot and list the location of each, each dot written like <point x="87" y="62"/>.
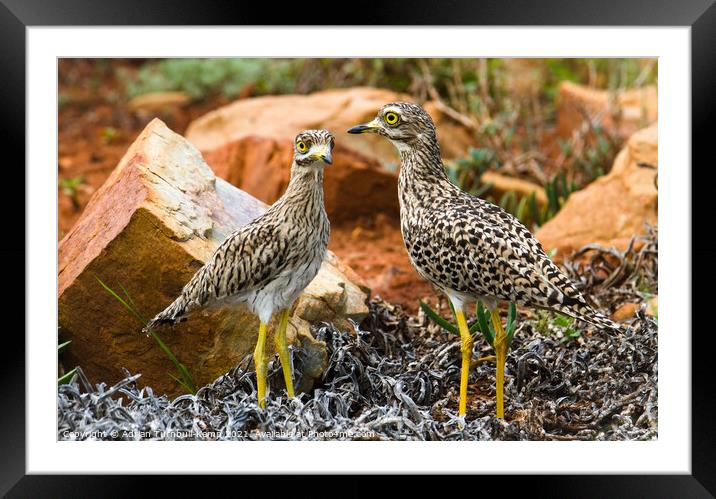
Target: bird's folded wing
<point x="247" y="260"/>
<point x="508" y="262"/>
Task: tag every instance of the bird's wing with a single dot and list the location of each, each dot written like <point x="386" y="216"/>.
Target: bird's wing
<point x="510" y="262"/>
<point x="248" y="259"/>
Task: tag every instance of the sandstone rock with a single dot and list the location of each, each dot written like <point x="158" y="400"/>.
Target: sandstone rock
<point x="354" y="185"/>
<point x="524" y="77"/>
<point x="629" y="310"/>
<point x="502" y="184"/>
<point x="331" y="297"/>
<point x="613" y="208"/>
<point x="154" y="221"/>
<point x="626" y="311"/>
<point x="635" y="108"/>
<point x="282" y="117"/>
<point x="157" y="101"/>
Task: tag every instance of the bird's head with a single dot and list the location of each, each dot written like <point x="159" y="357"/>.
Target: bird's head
<point x="403" y="123"/>
<point x="313" y="148"/>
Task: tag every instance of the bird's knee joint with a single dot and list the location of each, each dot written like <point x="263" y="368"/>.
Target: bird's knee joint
<point x="467" y="344"/>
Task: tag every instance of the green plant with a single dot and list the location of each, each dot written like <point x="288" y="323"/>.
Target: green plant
<point x="557" y="190"/>
<point x="70" y="187"/>
<point x="109" y="134"/>
<point x="487" y="328"/>
<point x="491" y="328"/>
<point x="443" y="323"/>
<point x="466" y="172"/>
<point x="569" y="333"/>
<point x="63" y="100"/>
<point x="201" y="78"/>
<point x="541" y="323"/>
<point x="67" y="377"/>
<point x="186" y="380"/>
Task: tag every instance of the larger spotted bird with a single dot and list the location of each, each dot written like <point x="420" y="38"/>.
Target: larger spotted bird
<point x="467" y="247"/>
<point x="267" y="263"/>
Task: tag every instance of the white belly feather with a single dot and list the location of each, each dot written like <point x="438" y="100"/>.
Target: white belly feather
<point x="282" y="291"/>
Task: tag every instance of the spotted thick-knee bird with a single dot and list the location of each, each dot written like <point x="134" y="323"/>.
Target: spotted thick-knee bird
<point x="267" y="263"/>
<point x="469" y="248"/>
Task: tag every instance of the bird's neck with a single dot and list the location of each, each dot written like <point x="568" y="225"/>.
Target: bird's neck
<point x="421" y="170"/>
<point x="304" y="187"/>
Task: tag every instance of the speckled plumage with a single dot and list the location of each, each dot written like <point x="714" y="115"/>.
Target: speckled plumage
<point x="467" y="247"/>
<point x="267" y="263"/>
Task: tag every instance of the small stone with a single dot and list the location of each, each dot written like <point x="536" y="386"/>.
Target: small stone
<point x="626" y="311"/>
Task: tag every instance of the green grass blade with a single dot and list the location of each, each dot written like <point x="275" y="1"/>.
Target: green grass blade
<point x="508" y="202"/>
<point x="120" y="300"/>
<point x="553" y="195"/>
<point x="181" y="382"/>
<point x="67" y="377"/>
<point x="483" y="189"/>
<point x="484" y="324"/>
<point x="563" y="320"/>
<point x="532" y="199"/>
<point x="437" y="319"/>
<point x="521" y="210"/>
<point x="188" y="382"/>
<point x="63" y="346"/>
<point x="180" y="367"/>
<point x="474" y="327"/>
<point x="129" y="299"/>
<point x="511" y="322"/>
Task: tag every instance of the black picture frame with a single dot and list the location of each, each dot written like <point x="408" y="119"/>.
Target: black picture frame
<point x="700" y="15"/>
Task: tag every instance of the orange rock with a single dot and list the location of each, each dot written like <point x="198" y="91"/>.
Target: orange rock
<point x="524" y="77"/>
<point x="148" y="228"/>
<point x="502" y="184"/>
<point x="282" y="117"/>
<point x="626" y="311"/>
<point x="634" y="108"/>
<point x="615" y="207"/>
<point x="629" y="310"/>
<point x="354" y="185"/>
<point x="158" y="101"/>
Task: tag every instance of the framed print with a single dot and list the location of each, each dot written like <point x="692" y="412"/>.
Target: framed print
<point x="428" y="242"/>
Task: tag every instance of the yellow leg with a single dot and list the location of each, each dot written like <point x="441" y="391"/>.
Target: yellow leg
<point x="466" y="349"/>
<point x="261" y="365"/>
<point x="282" y="349"/>
<point x="501" y="354"/>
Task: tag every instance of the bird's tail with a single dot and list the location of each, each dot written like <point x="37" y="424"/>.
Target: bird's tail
<point x="191" y="298"/>
<point x="171" y="315"/>
<point x="601" y="322"/>
<point x="583" y="312"/>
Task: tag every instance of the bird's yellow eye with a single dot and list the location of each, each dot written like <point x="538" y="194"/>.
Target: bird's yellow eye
<point x="391" y="118"/>
<point x="301" y="147"/>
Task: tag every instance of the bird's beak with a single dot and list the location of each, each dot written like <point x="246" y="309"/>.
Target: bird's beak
<point x="371" y="127"/>
<point x="324" y="154"/>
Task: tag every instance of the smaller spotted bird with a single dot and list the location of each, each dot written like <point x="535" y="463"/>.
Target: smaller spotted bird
<point x="267" y="263"/>
<point x="469" y="248"/>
